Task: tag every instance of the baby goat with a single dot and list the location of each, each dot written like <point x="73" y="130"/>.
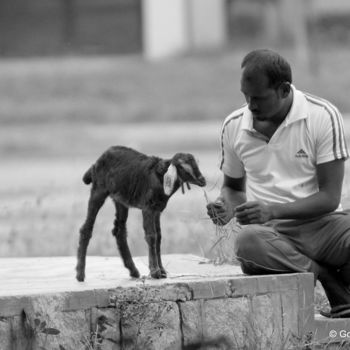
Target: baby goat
<point x="133" y="179"/>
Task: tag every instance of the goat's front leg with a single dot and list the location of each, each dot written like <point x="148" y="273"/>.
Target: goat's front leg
<point x="149" y="225"/>
<point x="158" y="245"/>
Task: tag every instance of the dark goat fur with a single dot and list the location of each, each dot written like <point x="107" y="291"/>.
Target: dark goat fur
<point x="133" y="179"/>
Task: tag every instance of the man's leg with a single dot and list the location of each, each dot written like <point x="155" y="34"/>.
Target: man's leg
<point x="334" y="238"/>
<point x="336" y="279"/>
<point x="325" y="240"/>
<point x="344" y="273"/>
<point x="344" y="270"/>
<point x="337" y="293"/>
<point x="261" y="250"/>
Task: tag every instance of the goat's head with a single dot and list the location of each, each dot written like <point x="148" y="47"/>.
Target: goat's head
<point x="183" y="167"/>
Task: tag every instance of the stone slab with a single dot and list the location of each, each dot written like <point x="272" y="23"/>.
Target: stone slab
<point x="199" y="304"/>
<point x="328" y="330"/>
<point x="28" y="276"/>
<point x="189" y="278"/>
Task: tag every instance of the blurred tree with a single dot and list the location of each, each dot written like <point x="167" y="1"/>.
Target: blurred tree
<point x="49" y="27"/>
<point x="10" y="12"/>
<point x="69" y="13"/>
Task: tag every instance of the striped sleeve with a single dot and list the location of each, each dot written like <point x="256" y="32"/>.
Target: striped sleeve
<point x="230" y="164"/>
<point x="331" y="141"/>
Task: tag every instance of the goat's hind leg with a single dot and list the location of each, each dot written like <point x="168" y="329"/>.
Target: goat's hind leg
<point x="158" y="246"/>
<point x="96" y="200"/>
<point x="120" y="233"/>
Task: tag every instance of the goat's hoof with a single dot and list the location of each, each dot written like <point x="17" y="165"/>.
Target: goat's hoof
<point x="163" y="273"/>
<point x="156" y="274"/>
<point x="134" y="274"/>
<point x="80" y="276"/>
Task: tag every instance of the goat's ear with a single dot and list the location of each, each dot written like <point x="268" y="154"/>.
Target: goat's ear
<point x="169" y="179"/>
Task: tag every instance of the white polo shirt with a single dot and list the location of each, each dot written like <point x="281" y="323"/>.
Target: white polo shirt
<point x="283" y="169"/>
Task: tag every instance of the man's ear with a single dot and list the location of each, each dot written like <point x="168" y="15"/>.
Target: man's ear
<point x="285" y="89"/>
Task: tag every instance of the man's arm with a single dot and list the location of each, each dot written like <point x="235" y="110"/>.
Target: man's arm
<point x="232" y="194"/>
<point x="330" y="179"/>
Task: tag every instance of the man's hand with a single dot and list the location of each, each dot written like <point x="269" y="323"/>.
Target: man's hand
<point x="253" y="213"/>
<point x="219" y="212"/>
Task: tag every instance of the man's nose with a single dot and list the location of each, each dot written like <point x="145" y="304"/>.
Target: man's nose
<point x="251" y="104"/>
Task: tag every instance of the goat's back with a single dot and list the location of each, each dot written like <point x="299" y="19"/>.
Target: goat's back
<point x="126" y="174"/>
<point x="121" y="159"/>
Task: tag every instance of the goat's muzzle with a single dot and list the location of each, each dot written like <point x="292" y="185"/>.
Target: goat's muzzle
<point x="200" y="181"/>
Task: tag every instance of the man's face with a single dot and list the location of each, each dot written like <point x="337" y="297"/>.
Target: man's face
<point x="263" y="101"/>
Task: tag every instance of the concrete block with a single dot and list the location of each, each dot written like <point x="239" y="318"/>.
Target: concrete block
<point x="211" y="290"/>
<point x="306" y="312"/>
<point x="332" y="331"/>
<point x="191" y="314"/>
<point x="79" y="301"/>
<point x="150" y="293"/>
<point x="290" y="321"/>
<point x="69" y="330"/>
<point x="198" y="306"/>
<point x="49" y="325"/>
<point x="243" y="286"/>
<point x="176" y="292"/>
<point x="266" y="321"/>
<point x="86" y="299"/>
<point x="226" y="322"/>
<point x="277" y="283"/>
<point x="151" y="326"/>
<point x="263" y="284"/>
<point x="5" y="333"/>
<point x="22" y="333"/>
<point x="105" y="328"/>
<point x="13" y="305"/>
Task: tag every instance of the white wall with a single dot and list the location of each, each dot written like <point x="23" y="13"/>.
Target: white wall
<point x="171" y="27"/>
<point x="207" y="23"/>
<point x="164" y="28"/>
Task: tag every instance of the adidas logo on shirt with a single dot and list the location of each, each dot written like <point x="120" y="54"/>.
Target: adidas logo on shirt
<point x="301" y="154"/>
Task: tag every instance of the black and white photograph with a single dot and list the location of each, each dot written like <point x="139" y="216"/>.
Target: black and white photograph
<point x="174" y="174"/>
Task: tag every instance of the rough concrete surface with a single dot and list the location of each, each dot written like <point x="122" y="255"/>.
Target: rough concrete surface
<point x="199" y="305"/>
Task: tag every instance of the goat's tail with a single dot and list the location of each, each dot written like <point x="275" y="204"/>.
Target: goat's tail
<point x="87" y="178"/>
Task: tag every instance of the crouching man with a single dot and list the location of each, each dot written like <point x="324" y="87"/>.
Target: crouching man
<point x="283" y="156"/>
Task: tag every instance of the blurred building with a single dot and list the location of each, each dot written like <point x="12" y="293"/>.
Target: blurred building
<point x="177" y="26"/>
<point x="49" y="27"/>
<point x="161" y="28"/>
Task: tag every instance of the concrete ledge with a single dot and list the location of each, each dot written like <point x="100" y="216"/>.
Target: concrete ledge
<point x="332" y="331"/>
<point x="41" y="304"/>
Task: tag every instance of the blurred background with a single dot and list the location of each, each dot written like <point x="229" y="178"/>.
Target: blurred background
<point x="77" y="76"/>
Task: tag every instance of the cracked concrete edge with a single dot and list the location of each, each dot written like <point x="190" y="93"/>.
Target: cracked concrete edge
<point x="209" y="288"/>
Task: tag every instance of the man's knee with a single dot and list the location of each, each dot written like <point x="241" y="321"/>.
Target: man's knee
<point x="248" y="241"/>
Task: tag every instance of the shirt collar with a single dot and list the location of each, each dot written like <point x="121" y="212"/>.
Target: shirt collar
<point x="298" y="111"/>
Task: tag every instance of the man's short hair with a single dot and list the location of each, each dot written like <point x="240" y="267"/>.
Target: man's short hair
<point x="276" y="68"/>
